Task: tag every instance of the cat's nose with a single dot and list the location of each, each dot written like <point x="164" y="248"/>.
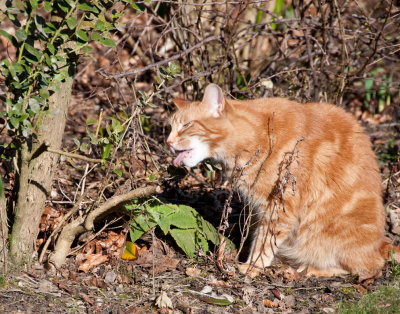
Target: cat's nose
<point x="170" y="143"/>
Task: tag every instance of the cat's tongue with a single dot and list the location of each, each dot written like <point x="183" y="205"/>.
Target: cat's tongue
<point x="178" y="160"/>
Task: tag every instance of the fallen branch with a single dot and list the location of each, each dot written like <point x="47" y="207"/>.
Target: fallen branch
<point x="72" y="155"/>
<point x="86" y="223"/>
<point x="118" y="200"/>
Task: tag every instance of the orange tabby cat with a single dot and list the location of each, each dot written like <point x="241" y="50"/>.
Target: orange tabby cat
<point x="307" y="170"/>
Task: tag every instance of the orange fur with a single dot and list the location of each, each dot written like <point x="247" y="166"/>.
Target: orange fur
<point x="307" y="171"/>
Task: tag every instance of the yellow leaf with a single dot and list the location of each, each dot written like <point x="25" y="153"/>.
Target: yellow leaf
<point x="130" y="251"/>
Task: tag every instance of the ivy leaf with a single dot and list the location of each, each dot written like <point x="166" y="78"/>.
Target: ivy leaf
<point x="21" y="35"/>
<point x="71" y="22"/>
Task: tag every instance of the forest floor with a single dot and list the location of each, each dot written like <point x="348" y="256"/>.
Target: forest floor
<point x="162" y="278"/>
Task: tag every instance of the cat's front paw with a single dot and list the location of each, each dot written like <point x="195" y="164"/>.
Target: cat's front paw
<point x="249" y="270"/>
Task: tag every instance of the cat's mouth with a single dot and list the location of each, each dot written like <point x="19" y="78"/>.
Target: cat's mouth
<point x="182" y="155"/>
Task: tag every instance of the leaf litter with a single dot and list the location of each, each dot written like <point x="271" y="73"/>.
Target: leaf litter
<point x="97" y="279"/>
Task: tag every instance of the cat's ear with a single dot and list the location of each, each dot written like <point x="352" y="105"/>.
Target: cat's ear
<point x="214" y="100"/>
<point x="180" y="103"/>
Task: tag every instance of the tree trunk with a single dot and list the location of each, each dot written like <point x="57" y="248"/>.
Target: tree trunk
<point x="36" y="175"/>
<point x="3" y="232"/>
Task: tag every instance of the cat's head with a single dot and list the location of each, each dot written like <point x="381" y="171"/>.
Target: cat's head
<point x="197" y="127"/>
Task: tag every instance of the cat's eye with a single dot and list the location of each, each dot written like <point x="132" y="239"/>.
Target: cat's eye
<point x="186" y="125"/>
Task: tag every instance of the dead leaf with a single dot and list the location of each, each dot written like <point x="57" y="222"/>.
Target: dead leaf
<point x="193" y="272"/>
<point x="219" y="283"/>
<point x="163" y="301"/>
<point x="276" y="293"/>
<point x="86" y="298"/>
<point x="360" y="288"/>
<point x="130" y="252"/>
<point x="220" y="254"/>
<point x="269" y="303"/>
<point x="91" y="261"/>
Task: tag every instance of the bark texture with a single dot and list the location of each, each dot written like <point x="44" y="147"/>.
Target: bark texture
<point x="36" y="175"/>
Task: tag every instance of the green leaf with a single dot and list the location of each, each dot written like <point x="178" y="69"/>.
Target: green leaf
<point x="182" y="220"/>
<point x="44" y="93"/>
<point x="216" y="301"/>
<point x="139" y="226"/>
<point x="40" y="23"/>
<point x="51" y="48"/>
<point x="87" y="7"/>
<point x="1" y="187"/>
<point x="96" y="36"/>
<point x="87" y="49"/>
<point x="91" y="121"/>
<point x="36" y="53"/>
<point x="106" y="151"/>
<point x="9" y="37"/>
<point x="118" y="172"/>
<point x="62" y="6"/>
<point x="82" y="35"/>
<point x="107" y="42"/>
<point x="49" y="28"/>
<point x="21" y="35"/>
<point x="185" y="239"/>
<point x="34" y="4"/>
<point x="34" y="105"/>
<point x="369" y="83"/>
<point x="48" y="5"/>
<point x="100" y="26"/>
<point x="77" y="143"/>
<point x="14" y="122"/>
<point x="152" y="177"/>
<point x="72" y="22"/>
<point x="71" y="3"/>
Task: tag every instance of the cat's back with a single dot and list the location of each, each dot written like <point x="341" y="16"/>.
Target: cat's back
<point x="310" y="115"/>
<point x="330" y="141"/>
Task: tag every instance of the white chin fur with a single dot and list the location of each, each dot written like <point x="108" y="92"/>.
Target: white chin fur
<point x="200" y="151"/>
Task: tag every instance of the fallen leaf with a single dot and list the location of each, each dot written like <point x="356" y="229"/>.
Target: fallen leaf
<point x="216" y="301"/>
<point x="276" y="293"/>
<point x="86" y="298"/>
<point x="130" y="252"/>
<point x="92" y="260"/>
<point x="269" y="303"/>
<point x="193" y="272"/>
<point x="163" y="301"/>
<point x="220" y="254"/>
<point x="360" y="288"/>
<point x="219" y="283"/>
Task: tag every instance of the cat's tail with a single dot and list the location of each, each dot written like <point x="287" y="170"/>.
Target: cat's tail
<point x="389" y="251"/>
